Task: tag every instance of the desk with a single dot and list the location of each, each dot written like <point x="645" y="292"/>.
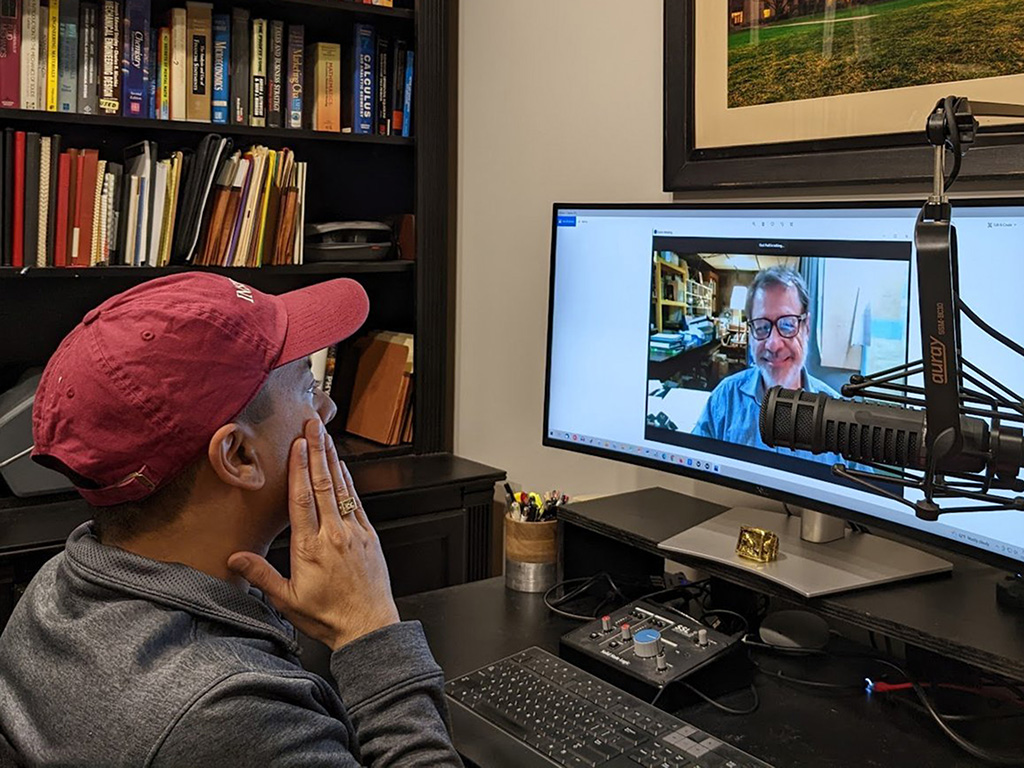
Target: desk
<point x="473" y="624"/>
<point x="954" y="616"/>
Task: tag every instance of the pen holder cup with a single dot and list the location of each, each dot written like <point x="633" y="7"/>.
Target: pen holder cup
<point x="531" y="555"/>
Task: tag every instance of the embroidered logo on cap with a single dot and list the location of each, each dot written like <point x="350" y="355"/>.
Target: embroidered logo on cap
<point x="243" y="291"/>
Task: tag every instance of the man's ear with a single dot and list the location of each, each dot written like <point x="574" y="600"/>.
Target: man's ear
<point x="234" y="457"/>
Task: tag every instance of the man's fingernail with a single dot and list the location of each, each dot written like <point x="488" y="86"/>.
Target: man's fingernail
<point x="304" y="447"/>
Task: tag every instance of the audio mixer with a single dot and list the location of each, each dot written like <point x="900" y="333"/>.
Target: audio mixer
<point x="649" y="646"/>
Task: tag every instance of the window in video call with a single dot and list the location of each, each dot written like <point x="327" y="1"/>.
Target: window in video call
<point x="668" y="326"/>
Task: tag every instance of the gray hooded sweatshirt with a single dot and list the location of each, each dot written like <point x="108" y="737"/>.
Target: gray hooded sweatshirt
<point x="111" y="659"/>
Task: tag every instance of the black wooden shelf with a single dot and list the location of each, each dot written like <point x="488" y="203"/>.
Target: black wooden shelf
<point x="320" y="268"/>
<point x="353" y="449"/>
<point x="33" y="117"/>
<point x="359" y="9"/>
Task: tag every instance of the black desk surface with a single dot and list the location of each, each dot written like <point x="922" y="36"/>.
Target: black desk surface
<point x="471" y="625"/>
<point x="956" y="616"/>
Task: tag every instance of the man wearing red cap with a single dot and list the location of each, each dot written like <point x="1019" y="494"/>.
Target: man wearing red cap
<point x="186" y="414"/>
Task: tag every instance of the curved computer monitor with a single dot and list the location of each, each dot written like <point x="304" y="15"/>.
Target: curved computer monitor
<point x="651" y="359"/>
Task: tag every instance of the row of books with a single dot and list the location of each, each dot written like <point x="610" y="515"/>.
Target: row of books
<point x="209" y="206"/>
<point x="106" y="57"/>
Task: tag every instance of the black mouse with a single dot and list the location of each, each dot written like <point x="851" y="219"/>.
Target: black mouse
<point x="794" y="629"/>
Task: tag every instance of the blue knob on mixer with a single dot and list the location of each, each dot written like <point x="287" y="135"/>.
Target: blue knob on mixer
<point x="647" y="643"/>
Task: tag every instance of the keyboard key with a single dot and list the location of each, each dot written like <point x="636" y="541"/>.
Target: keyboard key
<point x="631" y="733"/>
<point x="606" y="750"/>
<point x="499" y="718"/>
<point x="587" y="753"/>
<point x="697" y="750"/>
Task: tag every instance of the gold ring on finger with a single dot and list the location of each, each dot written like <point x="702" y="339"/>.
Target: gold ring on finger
<point x="348" y="506"/>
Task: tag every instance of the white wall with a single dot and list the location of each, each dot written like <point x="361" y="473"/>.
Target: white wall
<point x="559" y="101"/>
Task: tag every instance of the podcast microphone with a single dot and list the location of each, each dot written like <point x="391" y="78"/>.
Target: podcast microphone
<point x="874" y="433"/>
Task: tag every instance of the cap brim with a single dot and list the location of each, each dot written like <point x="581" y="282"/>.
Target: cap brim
<point x="320" y="315"/>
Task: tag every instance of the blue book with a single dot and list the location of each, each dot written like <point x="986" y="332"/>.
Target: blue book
<point x="133" y="58"/>
<point x="364" y="84"/>
<point x="407" y="96"/>
<point x="221" y="65"/>
<point x="67" y="57"/>
<point x="151" y="68"/>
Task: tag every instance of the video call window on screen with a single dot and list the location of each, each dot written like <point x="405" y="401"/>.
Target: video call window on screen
<point x="731" y="318"/>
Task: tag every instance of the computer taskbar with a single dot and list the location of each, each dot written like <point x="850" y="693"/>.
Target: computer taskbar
<point x="636" y="450"/>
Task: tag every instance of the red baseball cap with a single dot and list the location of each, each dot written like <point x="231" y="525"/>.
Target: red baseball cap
<point x="134" y="393"/>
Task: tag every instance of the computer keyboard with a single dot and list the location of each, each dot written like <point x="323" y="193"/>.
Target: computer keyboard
<point x="534" y="709"/>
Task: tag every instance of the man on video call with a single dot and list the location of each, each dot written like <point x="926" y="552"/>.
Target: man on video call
<point x="779" y="319"/>
<point x="186" y="413"/>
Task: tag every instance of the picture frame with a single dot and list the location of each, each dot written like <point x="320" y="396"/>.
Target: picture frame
<point x="902" y="159"/>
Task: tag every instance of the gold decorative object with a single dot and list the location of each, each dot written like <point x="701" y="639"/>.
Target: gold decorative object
<point x="757" y="544"/>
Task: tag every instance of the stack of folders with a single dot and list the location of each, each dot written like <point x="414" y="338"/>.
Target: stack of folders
<point x="208" y="206"/>
<point x="381" y="406"/>
<point x="256" y="211"/>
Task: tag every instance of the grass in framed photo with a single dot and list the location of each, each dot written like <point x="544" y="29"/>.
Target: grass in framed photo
<point x="791" y="50"/>
<point x="803" y="93"/>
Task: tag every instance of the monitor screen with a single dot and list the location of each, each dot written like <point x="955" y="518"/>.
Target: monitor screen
<point x="668" y="323"/>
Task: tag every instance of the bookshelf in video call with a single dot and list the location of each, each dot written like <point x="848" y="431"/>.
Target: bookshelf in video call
<point x="348" y="177"/>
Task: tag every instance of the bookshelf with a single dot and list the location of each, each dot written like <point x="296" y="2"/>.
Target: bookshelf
<point x="31" y="118"/>
<point x="350" y="177"/>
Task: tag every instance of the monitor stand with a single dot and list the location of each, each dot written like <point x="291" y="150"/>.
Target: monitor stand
<point x="818" y="554"/>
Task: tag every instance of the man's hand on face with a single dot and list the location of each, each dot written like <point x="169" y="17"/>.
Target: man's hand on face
<point x="339" y="588"/>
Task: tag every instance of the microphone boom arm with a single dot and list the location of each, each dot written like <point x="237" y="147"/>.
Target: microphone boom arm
<point x="952" y="126"/>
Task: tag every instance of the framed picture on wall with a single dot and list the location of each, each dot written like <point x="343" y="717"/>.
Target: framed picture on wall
<point x="812" y="93"/>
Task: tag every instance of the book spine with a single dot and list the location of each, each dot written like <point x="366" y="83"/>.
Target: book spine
<point x="293" y="100"/>
<point x="407" y="95"/>
<point x="238" y="83"/>
<point x="275" y="73"/>
<point x="200" y="30"/>
<point x="30" y="234"/>
<point x="163" y="99"/>
<point x="383" y="104"/>
<point x="179" y="63"/>
<point x="10" y="53"/>
<point x="30" y="54"/>
<point x="43" y="56"/>
<point x="221" y="64"/>
<point x="398" y="49"/>
<point x="258" y="94"/>
<point x="52" y="54"/>
<point x="110" y="60"/>
<point x="327" y="58"/>
<point x="149" y="72"/>
<point x="67" y="100"/>
<point x="59" y="252"/>
<point x="88" y="93"/>
<point x="363" y="83"/>
<point x="133" y="84"/>
<point x="53" y="184"/>
<point x="18" y="209"/>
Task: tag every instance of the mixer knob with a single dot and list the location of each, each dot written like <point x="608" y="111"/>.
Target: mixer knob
<point x="662" y="662"/>
<point x="647" y="643"/>
<point x="627" y="632"/>
<point x="702" y="637"/>
<point x="606" y="623"/>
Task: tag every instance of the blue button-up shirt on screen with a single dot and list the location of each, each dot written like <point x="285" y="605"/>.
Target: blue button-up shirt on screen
<point x="733" y="410"/>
